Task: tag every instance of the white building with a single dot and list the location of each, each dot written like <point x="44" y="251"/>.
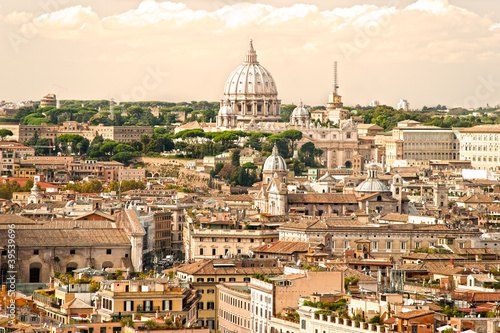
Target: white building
<point x="479" y="144"/>
<point x="403" y="105"/>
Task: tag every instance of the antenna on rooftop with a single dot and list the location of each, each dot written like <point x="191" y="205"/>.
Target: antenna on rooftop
<point x="335" y="81"/>
<point x="111" y="109"/>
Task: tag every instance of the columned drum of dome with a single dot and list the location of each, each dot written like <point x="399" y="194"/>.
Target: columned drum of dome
<point x="251" y="91"/>
<point x="372" y="184"/>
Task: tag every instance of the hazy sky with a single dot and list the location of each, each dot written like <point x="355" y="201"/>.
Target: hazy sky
<point x="425" y="51"/>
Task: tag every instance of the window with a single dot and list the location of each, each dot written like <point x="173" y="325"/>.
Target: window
<point x="346" y="244"/>
<point x="210" y="279"/>
<point x="374" y="245"/>
<point x="200" y="306"/>
<point x="226" y="240"/>
<point x="108" y="251"/>
<point x="239" y="240"/>
<point x="210" y="291"/>
<point x="214" y="252"/>
<point x="403" y="245"/>
<point x="303" y="324"/>
<point x="222" y="279"/>
<point x="35" y="252"/>
<point x="201" y="239"/>
<point x="201" y="252"/>
<point x="388" y="245"/>
<point x="200" y="280"/>
<point x="210" y="305"/>
<point x="72" y="251"/>
<point x="251" y="240"/>
<point x="232" y="279"/>
<point x="461" y="245"/>
<point x="247" y="279"/>
<point x="417" y="245"/>
<point x="213" y="239"/>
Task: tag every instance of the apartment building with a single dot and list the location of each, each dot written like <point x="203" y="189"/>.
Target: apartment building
<point x="234" y="307"/>
<point x="162" y="230"/>
<point x="120" y="134"/>
<point x="269" y="298"/>
<point x="205" y="275"/>
<point x="6" y="163"/>
<point x="220" y="239"/>
<point x="126" y="297"/>
<point x="480" y="146"/>
<point x="411" y="140"/>
<point x="386" y="240"/>
<point x="138" y="174"/>
<point x="102" y="170"/>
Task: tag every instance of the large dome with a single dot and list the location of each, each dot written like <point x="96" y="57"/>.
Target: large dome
<point x="275" y="162"/>
<point x="250" y="78"/>
<point x="372" y="183"/>
<point x="252" y="93"/>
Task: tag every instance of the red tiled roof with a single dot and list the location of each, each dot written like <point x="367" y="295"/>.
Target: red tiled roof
<point x="330" y="198"/>
<point x="413" y="314"/>
<point x="282" y="247"/>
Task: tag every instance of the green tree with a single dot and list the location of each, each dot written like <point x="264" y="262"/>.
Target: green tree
<point x="286" y="112"/>
<point x="5" y="132"/>
<point x="235" y="158"/>
<point x="122" y="157"/>
<point x="293" y="136"/>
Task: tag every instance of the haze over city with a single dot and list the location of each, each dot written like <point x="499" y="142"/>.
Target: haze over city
<point x="425" y="51"/>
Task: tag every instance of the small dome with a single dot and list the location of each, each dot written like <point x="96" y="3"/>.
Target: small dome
<point x="372" y="183"/>
<point x="300" y="111"/>
<point x="274" y="162"/>
<point x="226" y="109"/>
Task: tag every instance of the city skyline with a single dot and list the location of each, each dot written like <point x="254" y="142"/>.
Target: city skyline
<point x="425" y="51"/>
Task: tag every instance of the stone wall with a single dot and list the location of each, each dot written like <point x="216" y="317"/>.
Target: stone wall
<point x="193" y="178"/>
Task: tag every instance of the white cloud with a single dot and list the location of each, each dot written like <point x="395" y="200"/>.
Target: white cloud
<point x="193" y="40"/>
<point x="433" y="6"/>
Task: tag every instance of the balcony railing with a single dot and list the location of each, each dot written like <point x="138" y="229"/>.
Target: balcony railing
<point x="141" y="308"/>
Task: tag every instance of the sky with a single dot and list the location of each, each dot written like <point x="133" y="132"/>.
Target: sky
<point x="428" y="52"/>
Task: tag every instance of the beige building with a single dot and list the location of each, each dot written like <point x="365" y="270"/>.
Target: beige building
<point x="369" y="129"/>
<point x="234" y="308"/>
<point x="480" y="146"/>
<point x="102" y="170"/>
<point x="207" y="243"/>
<point x="205" y="275"/>
<point x="386" y="241"/>
<point x="48" y="100"/>
<point x="138" y="174"/>
<point x="411" y="140"/>
<point x="153" y="296"/>
<point x="269" y="298"/>
<point x="120" y="134"/>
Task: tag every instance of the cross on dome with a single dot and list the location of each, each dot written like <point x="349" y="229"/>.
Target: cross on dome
<point x="251" y="56"/>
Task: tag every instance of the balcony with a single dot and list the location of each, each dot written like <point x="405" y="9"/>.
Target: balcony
<point x="140" y="308"/>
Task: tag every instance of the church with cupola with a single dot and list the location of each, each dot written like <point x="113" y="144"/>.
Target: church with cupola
<point x="250" y="103"/>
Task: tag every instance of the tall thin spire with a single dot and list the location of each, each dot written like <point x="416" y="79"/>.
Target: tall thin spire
<point x="251" y="56"/>
<point x="335" y="82"/>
